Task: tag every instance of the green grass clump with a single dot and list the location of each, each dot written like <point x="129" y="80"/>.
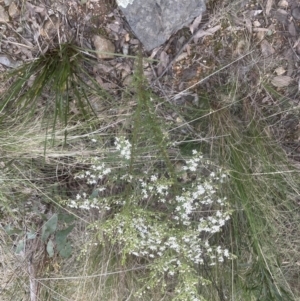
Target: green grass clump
<point x="53" y="85"/>
<point x="263" y="192"/>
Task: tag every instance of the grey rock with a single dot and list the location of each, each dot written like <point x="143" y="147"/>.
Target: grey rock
<point x="154" y="21"/>
<point x="6" y="61"/>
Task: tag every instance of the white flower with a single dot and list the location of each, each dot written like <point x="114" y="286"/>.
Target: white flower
<point x="200" y="189"/>
<point x="73" y="204"/>
<point x="218" y="213"/>
<point x="106" y="171"/>
<point x="153" y="178"/>
<point x="226" y="253"/>
<point x="124" y="146"/>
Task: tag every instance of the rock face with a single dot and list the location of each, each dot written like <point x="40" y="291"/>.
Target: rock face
<point x="154" y="21"/>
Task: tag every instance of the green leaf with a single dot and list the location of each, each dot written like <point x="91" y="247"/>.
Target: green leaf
<point x="11" y="230"/>
<point x="31" y="235"/>
<point x="95" y="193"/>
<point x="20" y="246"/>
<point x="50" y="248"/>
<point x="66" y="251"/>
<point x="49" y="227"/>
<point x="66" y="218"/>
<point x="61" y="237"/>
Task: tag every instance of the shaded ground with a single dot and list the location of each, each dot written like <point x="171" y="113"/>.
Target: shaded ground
<point x="257" y="45"/>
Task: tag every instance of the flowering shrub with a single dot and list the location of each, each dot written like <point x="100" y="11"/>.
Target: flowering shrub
<point x="167" y="222"/>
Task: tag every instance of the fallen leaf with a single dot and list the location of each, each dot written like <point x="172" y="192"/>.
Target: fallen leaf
<point x="128" y="80"/>
<point x="188" y="49"/>
<point x="248" y="24"/>
<point x="212" y="30"/>
<point x="266" y="100"/>
<point x="125" y="48"/>
<point x="256" y="23"/>
<point x="269" y="6"/>
<point x="164" y="60"/>
<point x="261" y="29"/>
<point x="104" y="47"/>
<point x="266" y="48"/>
<point x="134" y="41"/>
<point x="123" y="66"/>
<point x="50" y="27"/>
<point x="240" y="48"/>
<point x="296" y="13"/>
<point x="296" y="43"/>
<point x="114" y="27"/>
<point x="292" y="29"/>
<point x="109" y="86"/>
<point x="31" y="10"/>
<point x="13" y="10"/>
<point x="195" y="24"/>
<point x="283" y="4"/>
<point x="280" y="70"/>
<point x="27" y="52"/>
<point x="31" y="80"/>
<point x="4" y="18"/>
<point x="254" y="13"/>
<point x="181" y="56"/>
<point x="101" y="67"/>
<point x="260" y="33"/>
<point x="281" y="81"/>
<point x="281" y="15"/>
<point x="202" y="33"/>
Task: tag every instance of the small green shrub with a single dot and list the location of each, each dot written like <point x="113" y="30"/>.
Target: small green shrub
<point x="170" y="230"/>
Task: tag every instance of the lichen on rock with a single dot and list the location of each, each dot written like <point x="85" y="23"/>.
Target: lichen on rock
<point x="124" y="3"/>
